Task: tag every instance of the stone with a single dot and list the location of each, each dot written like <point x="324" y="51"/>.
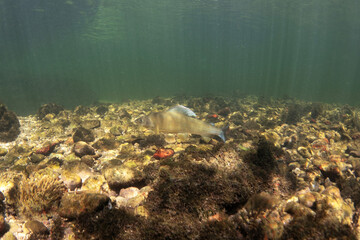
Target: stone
<point x="116" y="131"/>
<point x="36" y="158"/>
<point x="3" y="225"/>
<point x="81" y="148"/>
<point x="90" y="124"/>
<point x="355" y="153"/>
<point x="304" y="152"/>
<point x="129" y="192"/>
<point x="307" y="199"/>
<point x="9" y="125"/>
<point x="50" y="108"/>
<point x="95" y="184"/>
<point x="3" y="151"/>
<point x="82" y="110"/>
<point x="71" y="180"/>
<point x="9" y="236"/>
<point x="88" y="160"/>
<point x="74" y="205"/>
<point x="101" y="110"/>
<point x="106" y="143"/>
<point x="83" y="134"/>
<point x="119" y="177"/>
<point x="36" y="227"/>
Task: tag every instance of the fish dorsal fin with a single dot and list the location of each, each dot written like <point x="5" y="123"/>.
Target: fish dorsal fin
<point x="183" y="110"/>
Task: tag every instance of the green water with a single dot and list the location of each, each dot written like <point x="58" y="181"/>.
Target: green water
<point x="81" y="51"/>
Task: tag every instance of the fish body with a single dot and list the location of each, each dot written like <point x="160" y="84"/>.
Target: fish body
<point x="180" y="120"/>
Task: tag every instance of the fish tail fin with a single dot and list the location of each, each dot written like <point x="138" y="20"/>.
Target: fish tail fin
<point x="223" y="131"/>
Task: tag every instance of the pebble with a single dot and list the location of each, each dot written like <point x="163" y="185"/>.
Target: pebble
<point x="36" y="227"/>
<point x="36" y="158"/>
<point x="304" y="152"/>
<point x="129" y="192"/>
<point x="116" y="131"/>
<point x="307" y="199"/>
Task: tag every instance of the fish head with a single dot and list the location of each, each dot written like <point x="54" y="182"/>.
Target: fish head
<point x="145" y="121"/>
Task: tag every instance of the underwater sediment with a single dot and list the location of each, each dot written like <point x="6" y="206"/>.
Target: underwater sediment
<point x="289" y="169"/>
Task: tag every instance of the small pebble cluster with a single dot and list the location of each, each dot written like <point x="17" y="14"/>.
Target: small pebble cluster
<point x="288" y="170"/>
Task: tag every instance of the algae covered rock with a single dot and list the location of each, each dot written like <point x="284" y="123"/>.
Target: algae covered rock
<point x="50" y="108"/>
<point x="9" y="125"/>
<point x="106" y="143"/>
<point x="122" y="176"/>
<point x="90" y="124"/>
<point x="74" y="205"/>
<point x="83" y="134"/>
<point x="3" y="152"/>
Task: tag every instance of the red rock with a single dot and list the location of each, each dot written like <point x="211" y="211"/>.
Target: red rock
<point x="47" y="149"/>
<point x="162" y="153"/>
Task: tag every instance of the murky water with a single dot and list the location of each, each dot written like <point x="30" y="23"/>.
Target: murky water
<point x="79" y="52"/>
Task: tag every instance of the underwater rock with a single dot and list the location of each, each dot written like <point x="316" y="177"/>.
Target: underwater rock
<point x="106" y="143"/>
<point x="36" y="228"/>
<point x="47" y="149"/>
<point x="88" y="160"/>
<point x="157" y="140"/>
<point x="81" y="149"/>
<point x="82" y="110"/>
<point x="129" y="192"/>
<point x="71" y="180"/>
<point x="9" y="125"/>
<point x="224" y="111"/>
<point x="74" y="205"/>
<point x="101" y="110"/>
<point x="163" y="153"/>
<point x="9" y="186"/>
<point x="355" y="153"/>
<point x="304" y="152"/>
<point x="119" y="177"/>
<point x="9" y="236"/>
<point x="90" y="124"/>
<point x="36" y="158"/>
<point x="83" y="134"/>
<point x="50" y="108"/>
<point x="2" y="204"/>
<point x="260" y="202"/>
<point x="3" y="225"/>
<point x="116" y="131"/>
<point x="95" y="184"/>
<point x="3" y="151"/>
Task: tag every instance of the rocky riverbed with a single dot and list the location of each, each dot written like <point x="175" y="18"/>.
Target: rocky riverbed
<point x="288" y="170"/>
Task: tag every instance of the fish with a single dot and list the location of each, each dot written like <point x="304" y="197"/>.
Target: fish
<point x="180" y="119"/>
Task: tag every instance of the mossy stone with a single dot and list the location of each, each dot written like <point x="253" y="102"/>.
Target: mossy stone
<point x="74" y="205"/>
<point x="3" y="151"/>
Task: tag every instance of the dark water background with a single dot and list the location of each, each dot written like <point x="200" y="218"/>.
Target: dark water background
<point x="82" y="51"/>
